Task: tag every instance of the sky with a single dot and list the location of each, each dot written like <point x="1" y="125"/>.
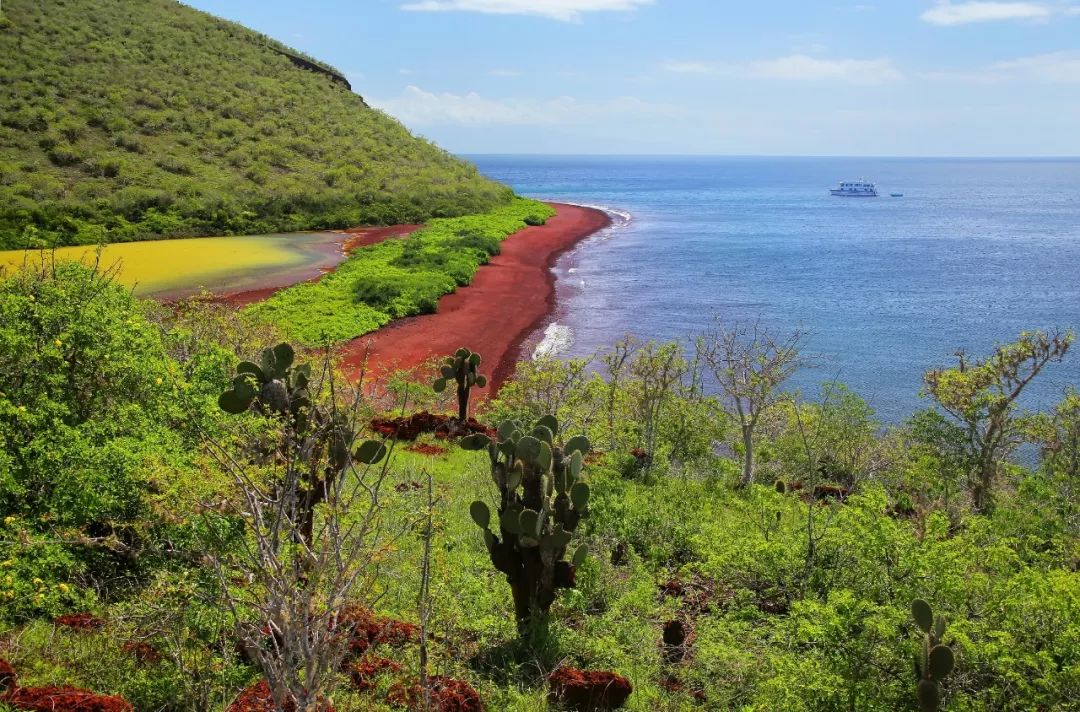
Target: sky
<point x="785" y="77"/>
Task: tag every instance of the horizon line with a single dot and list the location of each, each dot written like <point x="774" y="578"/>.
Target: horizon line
<point x="1010" y="157"/>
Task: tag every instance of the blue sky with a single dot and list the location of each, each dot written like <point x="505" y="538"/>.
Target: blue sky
<point x="786" y="77"/>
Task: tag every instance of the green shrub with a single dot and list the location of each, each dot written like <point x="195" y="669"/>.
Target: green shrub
<point x="88" y="420"/>
<point x="393" y="279"/>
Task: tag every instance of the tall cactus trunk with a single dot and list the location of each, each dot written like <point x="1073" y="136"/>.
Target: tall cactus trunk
<point x="748" y="456"/>
<point x="533" y="596"/>
<point x="463" y="400"/>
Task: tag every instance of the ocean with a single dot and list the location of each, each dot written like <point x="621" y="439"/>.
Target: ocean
<point x="976" y="251"/>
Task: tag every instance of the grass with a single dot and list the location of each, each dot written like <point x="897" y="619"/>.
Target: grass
<point x="395" y="278"/>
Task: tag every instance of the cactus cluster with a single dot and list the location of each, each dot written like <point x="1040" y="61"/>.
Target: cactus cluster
<point x="935" y="661"/>
<point x="272" y="385"/>
<point x="542" y="497"/>
<point x="322" y="439"/>
<point x="462" y="369"/>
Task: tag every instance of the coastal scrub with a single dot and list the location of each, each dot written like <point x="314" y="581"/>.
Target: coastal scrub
<point x="395" y="278"/>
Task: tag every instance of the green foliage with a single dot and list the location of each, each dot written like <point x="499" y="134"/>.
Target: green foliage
<point x="87" y="406"/>
<point x="462" y="369"/>
<point x="542" y="498"/>
<point x="108" y="503"/>
<point x="982" y="396"/>
<point x="392" y="279"/>
<point x="127" y="122"/>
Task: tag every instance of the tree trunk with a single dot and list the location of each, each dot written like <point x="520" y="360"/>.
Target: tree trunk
<point x="748" y="456"/>
<point x="982" y="493"/>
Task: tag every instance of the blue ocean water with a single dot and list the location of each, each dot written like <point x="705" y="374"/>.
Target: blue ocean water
<point x="974" y="253"/>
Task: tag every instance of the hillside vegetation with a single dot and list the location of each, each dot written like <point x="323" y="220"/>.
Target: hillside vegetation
<point x="131" y="120"/>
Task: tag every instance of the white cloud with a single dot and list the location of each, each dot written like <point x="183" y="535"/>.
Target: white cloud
<point x="946" y="13"/>
<point x="798" y="67"/>
<point x="801" y="67"/>
<point x="1049" y="68"/>
<point x="417" y="107"/>
<point x="679" y="67"/>
<point x="565" y="10"/>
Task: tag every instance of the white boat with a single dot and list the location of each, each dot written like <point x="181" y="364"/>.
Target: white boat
<point x="855" y="189"/>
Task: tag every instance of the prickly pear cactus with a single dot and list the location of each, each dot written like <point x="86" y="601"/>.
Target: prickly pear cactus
<point x="462" y="369"/>
<point x="542" y="497"/>
<point x="935" y="661"/>
<point x="272" y="386"/>
<point x="275" y="388"/>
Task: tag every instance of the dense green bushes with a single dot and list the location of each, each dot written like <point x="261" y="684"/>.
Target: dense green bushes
<point x="86" y="408"/>
<point x="394" y="278"/>
<point x="794" y="597"/>
<point x="125" y="121"/>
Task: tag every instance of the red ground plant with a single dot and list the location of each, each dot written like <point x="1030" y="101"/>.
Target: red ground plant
<point x="698" y="595"/>
<point x="674" y="685"/>
<point x="258" y="698"/>
<point x="413" y="426"/>
<point x="142" y="652"/>
<point x="447" y="695"/>
<point x="425" y="449"/>
<point x="587" y="690"/>
<point x="367" y="630"/>
<point x="363" y="673"/>
<point x="79" y="621"/>
<point x="63" y="699"/>
<point x="8" y="678"/>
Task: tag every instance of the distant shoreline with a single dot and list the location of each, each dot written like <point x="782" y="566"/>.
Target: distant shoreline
<point x="510" y="298"/>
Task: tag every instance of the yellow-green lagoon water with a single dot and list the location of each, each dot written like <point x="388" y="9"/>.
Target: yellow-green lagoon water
<point x="183" y="266"/>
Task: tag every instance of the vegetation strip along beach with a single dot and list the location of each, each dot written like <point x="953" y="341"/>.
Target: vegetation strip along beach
<point x="506" y="303"/>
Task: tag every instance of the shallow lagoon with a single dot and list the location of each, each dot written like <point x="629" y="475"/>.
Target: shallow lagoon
<point x="174" y="268"/>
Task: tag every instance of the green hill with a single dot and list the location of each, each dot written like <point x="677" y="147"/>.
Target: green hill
<point x="125" y="120"/>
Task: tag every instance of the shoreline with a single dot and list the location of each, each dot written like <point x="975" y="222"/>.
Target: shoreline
<point x="510" y="299"/>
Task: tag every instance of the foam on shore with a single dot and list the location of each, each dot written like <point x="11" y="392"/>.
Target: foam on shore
<point x="557" y="338"/>
<point x="619" y="218"/>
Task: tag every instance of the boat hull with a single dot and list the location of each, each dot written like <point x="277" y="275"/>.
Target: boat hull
<point x="853" y="194"/>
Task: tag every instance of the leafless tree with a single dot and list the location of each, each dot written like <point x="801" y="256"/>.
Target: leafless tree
<point x="657" y="371"/>
<point x="614" y="364"/>
<point x="312" y="530"/>
<point x="750" y="363"/>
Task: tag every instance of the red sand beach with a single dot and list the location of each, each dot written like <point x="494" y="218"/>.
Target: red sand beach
<point x="509" y="299"/>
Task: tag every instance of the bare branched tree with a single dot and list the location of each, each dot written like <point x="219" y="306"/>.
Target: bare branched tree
<point x="307" y="496"/>
<point x="615" y="362"/>
<point x="657" y="372"/>
<point x="750" y="363"/>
